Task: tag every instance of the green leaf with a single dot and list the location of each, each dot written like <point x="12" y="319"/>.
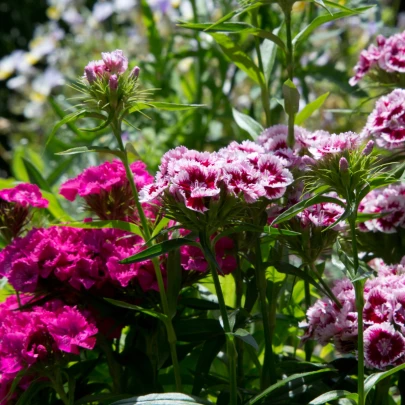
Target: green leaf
<point x="61" y="114"/>
<point x="244" y="335"/>
<point x="209" y="352"/>
<point x="310" y="108"/>
<point x="90" y="149"/>
<point x="332" y="395"/>
<point x="55" y="208"/>
<point x="305" y="377"/>
<point x="252" y="127"/>
<point x="159" y="249"/>
<point x="269" y="52"/>
<point x="111" y="224"/>
<point x="28" y="395"/>
<point x="375" y="378"/>
<point x="159" y="226"/>
<point x="297" y="208"/>
<point x="174" y="280"/>
<point x="322" y="19"/>
<point x="17" y="165"/>
<point x="169" y="398"/>
<point x="59" y="171"/>
<point x="291" y="97"/>
<point x="35" y="175"/>
<point x="145" y="311"/>
<point x="65" y="120"/>
<point x="238" y="57"/>
<point x="287" y="268"/>
<point x="164" y="106"/>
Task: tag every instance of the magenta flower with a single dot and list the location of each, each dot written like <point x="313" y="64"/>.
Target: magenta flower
<point x="24" y="194"/>
<point x="383" y="346"/>
<point x="106" y="189"/>
<point x="71" y="330"/>
<point x="94" y="70"/>
<point x="386" y="124"/>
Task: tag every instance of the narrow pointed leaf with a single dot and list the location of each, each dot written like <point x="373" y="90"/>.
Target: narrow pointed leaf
<point x="168" y="398"/>
<point x="145" y="311"/>
<point x="375" y="378"/>
<point x="310" y="108"/>
<point x="90" y="149"/>
<point x="35" y="176"/>
<point x="111" y="224"/>
<point x="333" y="395"/>
<point x="245" y="336"/>
<point x="252" y="127"/>
<point x="159" y="249"/>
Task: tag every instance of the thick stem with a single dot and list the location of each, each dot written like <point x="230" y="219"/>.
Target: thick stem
<point x="171" y="334"/>
<point x="381" y="396"/>
<point x="114" y="366"/>
<point x="230" y="343"/>
<point x="358" y="288"/>
<point x="268" y="375"/>
<point x="290" y="70"/>
<point x="264" y="88"/>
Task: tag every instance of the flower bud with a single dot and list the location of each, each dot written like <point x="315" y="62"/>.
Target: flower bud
<point x="90" y="74"/>
<point x="113" y="82"/>
<point x="368" y="148"/>
<point x="343" y="165"/>
<point x="307" y="160"/>
<point x="135" y="72"/>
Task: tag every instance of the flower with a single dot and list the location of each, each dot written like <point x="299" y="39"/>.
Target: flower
<point x="385" y="61"/>
<point x="389" y="202"/>
<point x="24" y="194"/>
<point x="386" y="124"/>
<point x="106" y="189"/>
<point x="383" y="346"/>
<point x="38" y="333"/>
<point x="112" y="64"/>
<point x="79" y="258"/>
<point x="196" y="180"/>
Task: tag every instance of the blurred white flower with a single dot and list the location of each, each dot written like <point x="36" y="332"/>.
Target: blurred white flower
<point x="101" y="11"/>
<point x="124" y="5"/>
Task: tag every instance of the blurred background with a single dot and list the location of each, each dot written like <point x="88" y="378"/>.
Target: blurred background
<point x="45" y="44"/>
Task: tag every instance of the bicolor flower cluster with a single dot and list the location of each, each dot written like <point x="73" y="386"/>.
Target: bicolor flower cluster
<point x="386" y="124"/>
<point x="16" y="205"/>
<point x="106" y="189"/>
<point x="38" y="335"/>
<point x="383" y="316"/>
<point x="388" y="56"/>
<point x="195" y="179"/>
<point x="388" y="204"/>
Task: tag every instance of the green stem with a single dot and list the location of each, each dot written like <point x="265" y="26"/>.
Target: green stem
<point x="290" y="70"/>
<point x="269" y="369"/>
<point x="114" y="366"/>
<point x="57" y="383"/>
<point x="264" y="89"/>
<point x="381" y="395"/>
<point x="171" y="334"/>
<point x="230" y="342"/>
<point x="358" y="288"/>
<point x="309" y="346"/>
<point x="325" y="286"/>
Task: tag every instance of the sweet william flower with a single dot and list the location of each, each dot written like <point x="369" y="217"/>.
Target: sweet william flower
<point x="24" y="194"/>
<point x="383" y="346"/>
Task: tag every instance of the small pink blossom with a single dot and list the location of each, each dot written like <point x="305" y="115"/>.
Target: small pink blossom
<point x="115" y="62"/>
<point x="334" y="143"/>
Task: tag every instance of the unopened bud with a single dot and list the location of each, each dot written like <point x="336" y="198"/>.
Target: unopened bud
<point x="90" y="74"/>
<point x="343" y="165"/>
<point x="135" y="72"/>
<point x="368" y="148"/>
<point x="113" y="82"/>
<point x="307" y="160"/>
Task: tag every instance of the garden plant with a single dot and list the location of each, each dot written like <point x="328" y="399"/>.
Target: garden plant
<point x="206" y="205"/>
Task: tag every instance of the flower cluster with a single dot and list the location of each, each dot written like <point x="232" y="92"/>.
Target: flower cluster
<point x="32" y="336"/>
<point x="16" y="205"/>
<point x="389" y="202"/>
<point x="106" y="189"/>
<point x="387" y="57"/>
<point x="111" y="65"/>
<point x="196" y="179"/>
<point x="386" y="124"/>
<point x="81" y="258"/>
<point x="383" y="316"/>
